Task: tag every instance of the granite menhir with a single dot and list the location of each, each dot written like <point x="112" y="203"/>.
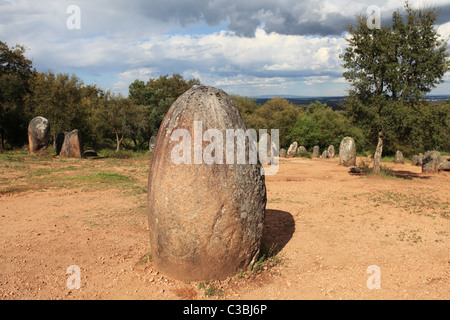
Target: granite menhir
<point x="205" y="220"/>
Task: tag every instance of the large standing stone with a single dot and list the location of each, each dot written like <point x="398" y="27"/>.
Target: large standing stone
<point x="282" y="153"/>
<point x="398" y="157"/>
<point x="347" y="152"/>
<point x="69" y="144"/>
<point x="316" y="152"/>
<point x="431" y="161"/>
<point x="205" y="220"/>
<point x="38" y="135"/>
<point x="325" y="154"/>
<point x="330" y="151"/>
<point x="292" y="149"/>
<point x="415" y="160"/>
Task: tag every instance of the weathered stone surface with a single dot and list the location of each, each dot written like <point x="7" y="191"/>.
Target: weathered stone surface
<point x="431" y="161"/>
<point x="444" y="166"/>
<point x="205" y="220"/>
<point x="316" y="152"/>
<point x="420" y="159"/>
<point x="69" y="144"/>
<point x="151" y="143"/>
<point x="347" y="152"/>
<point x="415" y="160"/>
<point x="330" y="151"/>
<point x="264" y="139"/>
<point x="399" y="157"/>
<point x="302" y="149"/>
<point x="292" y="148"/>
<point x="38" y="135"/>
<point x="282" y="153"/>
<point x="325" y="154"/>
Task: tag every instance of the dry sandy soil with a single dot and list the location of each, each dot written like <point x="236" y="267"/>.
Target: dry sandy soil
<point x="327" y="226"/>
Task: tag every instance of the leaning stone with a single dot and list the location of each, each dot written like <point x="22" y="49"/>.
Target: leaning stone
<point x="316" y="152"/>
<point x="398" y="157"/>
<point x="38" y="135"/>
<point x="431" y="161"/>
<point x="205" y="220"/>
<point x="72" y="144"/>
<point x="347" y="152"/>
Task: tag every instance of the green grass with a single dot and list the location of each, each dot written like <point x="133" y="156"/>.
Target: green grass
<point x="21" y="172"/>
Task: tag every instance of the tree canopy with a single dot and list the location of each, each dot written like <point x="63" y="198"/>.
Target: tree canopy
<point x="390" y="71"/>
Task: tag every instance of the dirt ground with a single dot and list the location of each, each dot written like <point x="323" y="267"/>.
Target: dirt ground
<point x="328" y="228"/>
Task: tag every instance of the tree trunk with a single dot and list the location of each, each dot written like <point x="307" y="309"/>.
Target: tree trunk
<point x="377" y="156"/>
<point x="118" y="141"/>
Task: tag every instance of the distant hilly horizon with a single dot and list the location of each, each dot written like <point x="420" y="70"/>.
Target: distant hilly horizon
<point x="335" y="102"/>
<point x="288" y="96"/>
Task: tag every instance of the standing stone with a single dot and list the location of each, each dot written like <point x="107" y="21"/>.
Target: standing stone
<point x="264" y="139"/>
<point x="302" y="149"/>
<point x="205" y="220"/>
<point x="420" y="159"/>
<point x="69" y="144"/>
<point x="431" y="161"/>
<point x="38" y="135"/>
<point x="347" y="152"/>
<point x="292" y="149"/>
<point x="415" y="160"/>
<point x="398" y="157"/>
<point x="330" y="151"/>
<point x="151" y="143"/>
<point x="325" y="154"/>
<point x="282" y="153"/>
<point x="316" y="152"/>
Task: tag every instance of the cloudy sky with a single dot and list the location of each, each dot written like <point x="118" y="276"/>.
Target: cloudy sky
<point x="246" y="47"/>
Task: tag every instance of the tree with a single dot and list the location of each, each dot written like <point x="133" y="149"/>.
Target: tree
<point x="15" y="72"/>
<point x="393" y="66"/>
<point x="277" y="113"/>
<point x="157" y="95"/>
<point x="57" y="97"/>
<point x="119" y="115"/>
<point x="322" y="126"/>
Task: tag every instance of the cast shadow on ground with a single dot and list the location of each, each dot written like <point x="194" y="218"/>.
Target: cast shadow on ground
<point x="408" y="175"/>
<point x="279" y="226"/>
<point x="402" y="174"/>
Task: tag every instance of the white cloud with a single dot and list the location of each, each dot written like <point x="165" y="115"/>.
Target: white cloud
<point x="120" y="41"/>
